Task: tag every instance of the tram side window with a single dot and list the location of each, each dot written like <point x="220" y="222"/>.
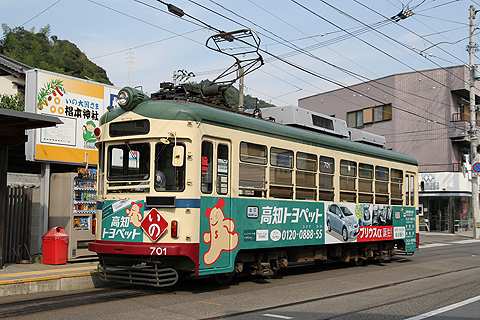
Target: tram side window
<point x="252" y="169"/>
<point x="381" y="185"/>
<point x="348" y="179"/>
<point x="281" y="173"/>
<point x="327" y="171"/>
<point x="412" y="191"/>
<point x="365" y="183"/>
<point x="409" y="190"/>
<point x="173" y="178"/>
<point x="305" y="184"/>
<point x="207" y="167"/>
<point x="396" y="186"/>
<point x="222" y="169"/>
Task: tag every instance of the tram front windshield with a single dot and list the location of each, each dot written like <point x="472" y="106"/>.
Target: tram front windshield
<point x="128" y="165"/>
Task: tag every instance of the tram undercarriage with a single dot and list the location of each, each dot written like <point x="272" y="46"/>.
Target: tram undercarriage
<point x="164" y="271"/>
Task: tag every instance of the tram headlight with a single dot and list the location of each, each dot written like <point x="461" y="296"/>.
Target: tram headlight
<point x="128" y="98"/>
<point x="123" y="98"/>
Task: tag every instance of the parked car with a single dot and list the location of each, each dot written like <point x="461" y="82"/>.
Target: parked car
<point x="341" y="220"/>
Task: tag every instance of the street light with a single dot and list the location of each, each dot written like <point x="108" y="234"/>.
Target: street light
<point x="436" y="44"/>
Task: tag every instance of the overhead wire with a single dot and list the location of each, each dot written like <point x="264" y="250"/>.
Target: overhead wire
<point x="40" y="13"/>
<point x="309" y="54"/>
<point x="402" y="26"/>
<point x="212" y="28"/>
<point x="306" y="8"/>
<point x="164" y="12"/>
<point x="318" y="75"/>
<point x="383" y="34"/>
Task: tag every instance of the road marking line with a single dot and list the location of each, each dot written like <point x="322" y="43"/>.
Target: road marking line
<point x="209" y="303"/>
<point x="60" y="276"/>
<point x="467" y="241"/>
<point x="276" y="316"/>
<point x="445" y="309"/>
<point x="46" y="271"/>
<point x="431" y="245"/>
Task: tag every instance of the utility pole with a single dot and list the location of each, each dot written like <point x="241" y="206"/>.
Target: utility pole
<point x="473" y="128"/>
<point x="240" y="90"/>
<point x="130" y="69"/>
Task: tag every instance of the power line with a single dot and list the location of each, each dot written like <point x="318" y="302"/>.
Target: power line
<point x="40" y="13"/>
<point x="321" y="76"/>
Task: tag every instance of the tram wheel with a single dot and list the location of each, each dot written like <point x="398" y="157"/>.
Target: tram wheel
<point x="358" y="262"/>
<point x="222" y="278"/>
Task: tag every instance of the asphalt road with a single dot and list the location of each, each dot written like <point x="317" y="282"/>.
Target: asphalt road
<point x="407" y="286"/>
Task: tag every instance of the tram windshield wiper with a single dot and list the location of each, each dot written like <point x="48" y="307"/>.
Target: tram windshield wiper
<point x="134" y="156"/>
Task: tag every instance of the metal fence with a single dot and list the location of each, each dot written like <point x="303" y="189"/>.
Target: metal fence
<point x="17" y="224"/>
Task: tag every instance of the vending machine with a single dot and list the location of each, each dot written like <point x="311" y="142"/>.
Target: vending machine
<point x="72" y="206"/>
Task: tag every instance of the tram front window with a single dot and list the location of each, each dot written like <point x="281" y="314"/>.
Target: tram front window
<point x="129" y="169"/>
<point x="128" y="161"/>
<point x="173" y="175"/>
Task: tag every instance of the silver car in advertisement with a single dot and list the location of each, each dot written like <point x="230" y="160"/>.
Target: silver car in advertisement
<point x="341" y="220"/>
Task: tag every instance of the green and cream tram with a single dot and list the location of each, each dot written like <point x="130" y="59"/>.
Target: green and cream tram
<point x="189" y="188"/>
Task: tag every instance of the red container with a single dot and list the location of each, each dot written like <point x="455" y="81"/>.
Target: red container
<point x="55" y="246"/>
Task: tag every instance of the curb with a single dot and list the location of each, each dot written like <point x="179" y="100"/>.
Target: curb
<point x="22" y="285"/>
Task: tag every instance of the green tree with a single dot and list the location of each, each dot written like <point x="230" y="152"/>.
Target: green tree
<point x="12" y="101"/>
<point x="40" y="50"/>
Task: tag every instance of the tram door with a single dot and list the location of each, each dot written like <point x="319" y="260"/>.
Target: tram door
<point x="216" y="244"/>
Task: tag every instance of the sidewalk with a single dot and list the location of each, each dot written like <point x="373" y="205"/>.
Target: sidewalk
<point x="19" y="279"/>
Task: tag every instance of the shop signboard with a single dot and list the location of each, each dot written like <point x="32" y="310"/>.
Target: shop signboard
<point x="78" y="103"/>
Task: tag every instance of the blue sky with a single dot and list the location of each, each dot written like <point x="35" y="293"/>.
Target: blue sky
<point x="347" y="41"/>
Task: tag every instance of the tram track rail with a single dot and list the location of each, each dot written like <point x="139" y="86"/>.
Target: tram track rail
<point x="124" y="292"/>
<point x="34" y="306"/>
<point x="346" y="294"/>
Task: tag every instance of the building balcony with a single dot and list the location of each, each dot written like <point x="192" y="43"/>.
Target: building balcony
<point x="460" y="126"/>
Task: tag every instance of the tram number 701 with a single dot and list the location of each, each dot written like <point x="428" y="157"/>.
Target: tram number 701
<point x="158" y="251"/>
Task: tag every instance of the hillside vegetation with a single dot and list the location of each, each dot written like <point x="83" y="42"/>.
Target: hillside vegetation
<point x="47" y="52"/>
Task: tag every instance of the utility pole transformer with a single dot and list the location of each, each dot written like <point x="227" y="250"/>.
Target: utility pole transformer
<point x="473" y="128"/>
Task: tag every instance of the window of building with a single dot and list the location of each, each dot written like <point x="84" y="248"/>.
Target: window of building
<point x="355" y="119"/>
<point x="359" y="118"/>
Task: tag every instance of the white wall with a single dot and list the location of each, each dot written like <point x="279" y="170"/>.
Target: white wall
<point x="7" y="86"/>
<point x="445" y="181"/>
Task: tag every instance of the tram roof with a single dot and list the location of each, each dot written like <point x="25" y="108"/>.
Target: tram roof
<point x="188" y="111"/>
